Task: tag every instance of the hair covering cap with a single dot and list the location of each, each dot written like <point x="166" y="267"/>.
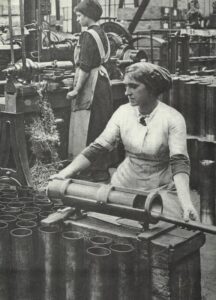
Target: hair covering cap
<point x="90" y="8"/>
<point x="157" y="78"/>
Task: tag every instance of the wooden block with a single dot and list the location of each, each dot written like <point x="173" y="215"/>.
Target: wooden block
<point x="175" y="263"/>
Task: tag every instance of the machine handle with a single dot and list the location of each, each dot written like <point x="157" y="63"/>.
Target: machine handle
<point x="189" y="225"/>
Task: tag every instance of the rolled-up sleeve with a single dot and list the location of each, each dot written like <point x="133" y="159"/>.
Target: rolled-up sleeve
<point x="107" y="141"/>
<point x="177" y="141"/>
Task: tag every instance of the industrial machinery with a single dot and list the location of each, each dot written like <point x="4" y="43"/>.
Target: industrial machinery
<point x="93" y="256"/>
<point x="123" y="202"/>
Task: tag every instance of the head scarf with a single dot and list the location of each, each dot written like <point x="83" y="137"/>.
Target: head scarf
<point x="157" y="78"/>
<point x="90" y="8"/>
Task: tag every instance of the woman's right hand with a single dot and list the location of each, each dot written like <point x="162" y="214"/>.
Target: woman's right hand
<point x="57" y="176"/>
<point x="72" y="94"/>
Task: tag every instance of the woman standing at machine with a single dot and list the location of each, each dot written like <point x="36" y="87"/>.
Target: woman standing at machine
<point x="154" y="137"/>
<point x="91" y="96"/>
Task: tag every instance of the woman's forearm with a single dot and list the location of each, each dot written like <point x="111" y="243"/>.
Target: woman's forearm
<point x="182" y="186"/>
<point x="81" y="80"/>
<point x="78" y="164"/>
<point x="183" y="191"/>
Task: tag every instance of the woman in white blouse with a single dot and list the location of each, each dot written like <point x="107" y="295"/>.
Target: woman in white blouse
<point x="154" y="137"/>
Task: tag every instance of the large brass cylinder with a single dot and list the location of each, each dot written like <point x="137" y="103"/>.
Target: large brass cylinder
<point x="22" y="263"/>
<point x="73" y="265"/>
<point x="5" y="266"/>
<point x="49" y="283"/>
<point x="99" y="274"/>
<point x="123" y="272"/>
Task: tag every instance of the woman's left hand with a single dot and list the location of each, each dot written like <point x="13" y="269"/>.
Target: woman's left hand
<point x="72" y="94"/>
<point x="190" y="213"/>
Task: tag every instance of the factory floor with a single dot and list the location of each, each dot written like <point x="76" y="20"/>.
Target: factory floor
<point x="208" y="261"/>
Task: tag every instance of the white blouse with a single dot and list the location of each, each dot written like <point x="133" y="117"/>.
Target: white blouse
<point x="148" y="148"/>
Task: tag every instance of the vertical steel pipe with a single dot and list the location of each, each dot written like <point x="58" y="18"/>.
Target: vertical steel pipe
<point x="49" y="264"/>
<point x="211" y="112"/>
<point x="174" y="93"/>
<point x="4" y="261"/>
<point x="99" y="273"/>
<point x="193" y="152"/>
<point x="182" y="102"/>
<point x="207" y="201"/>
<point x="100" y="241"/>
<point x="123" y="271"/>
<point x="73" y="265"/>
<point x="190" y="112"/>
<point x="202" y="94"/>
<point x="22" y="263"/>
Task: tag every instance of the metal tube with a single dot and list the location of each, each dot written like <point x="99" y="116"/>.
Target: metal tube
<point x="44" y="214"/>
<point x="27" y="224"/>
<point x="25" y="191"/>
<point x="190" y="112"/>
<point x="49" y="256"/>
<point x="5" y="266"/>
<point x="211" y="112"/>
<point x="206" y="183"/>
<point x="11" y="32"/>
<point x="22" y="34"/>
<point x="202" y="94"/>
<point x="22" y="263"/>
<point x="27" y="217"/>
<point x="73" y="265"/>
<point x="31" y="210"/>
<point x="100" y="241"/>
<point x="102" y="198"/>
<point x="99" y="273"/>
<point x="193" y="152"/>
<point x="123" y="271"/>
<point x="174" y="93"/>
<point x="16" y="204"/>
<point x="12" y="210"/>
<point x="44" y="205"/>
<point x="182" y="104"/>
<point x="27" y="201"/>
<point x="9" y="219"/>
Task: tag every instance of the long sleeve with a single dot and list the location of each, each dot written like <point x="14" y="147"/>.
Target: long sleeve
<point x="179" y="160"/>
<point x="107" y="141"/>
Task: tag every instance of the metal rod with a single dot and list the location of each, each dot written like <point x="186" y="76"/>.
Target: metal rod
<point x="11" y="32"/>
<point x="22" y="34"/>
<point x="190" y="225"/>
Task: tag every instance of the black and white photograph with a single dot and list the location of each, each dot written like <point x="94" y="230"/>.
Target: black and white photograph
<point x="107" y="149"/>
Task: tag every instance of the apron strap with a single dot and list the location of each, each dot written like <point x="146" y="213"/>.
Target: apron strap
<point x="104" y="56"/>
